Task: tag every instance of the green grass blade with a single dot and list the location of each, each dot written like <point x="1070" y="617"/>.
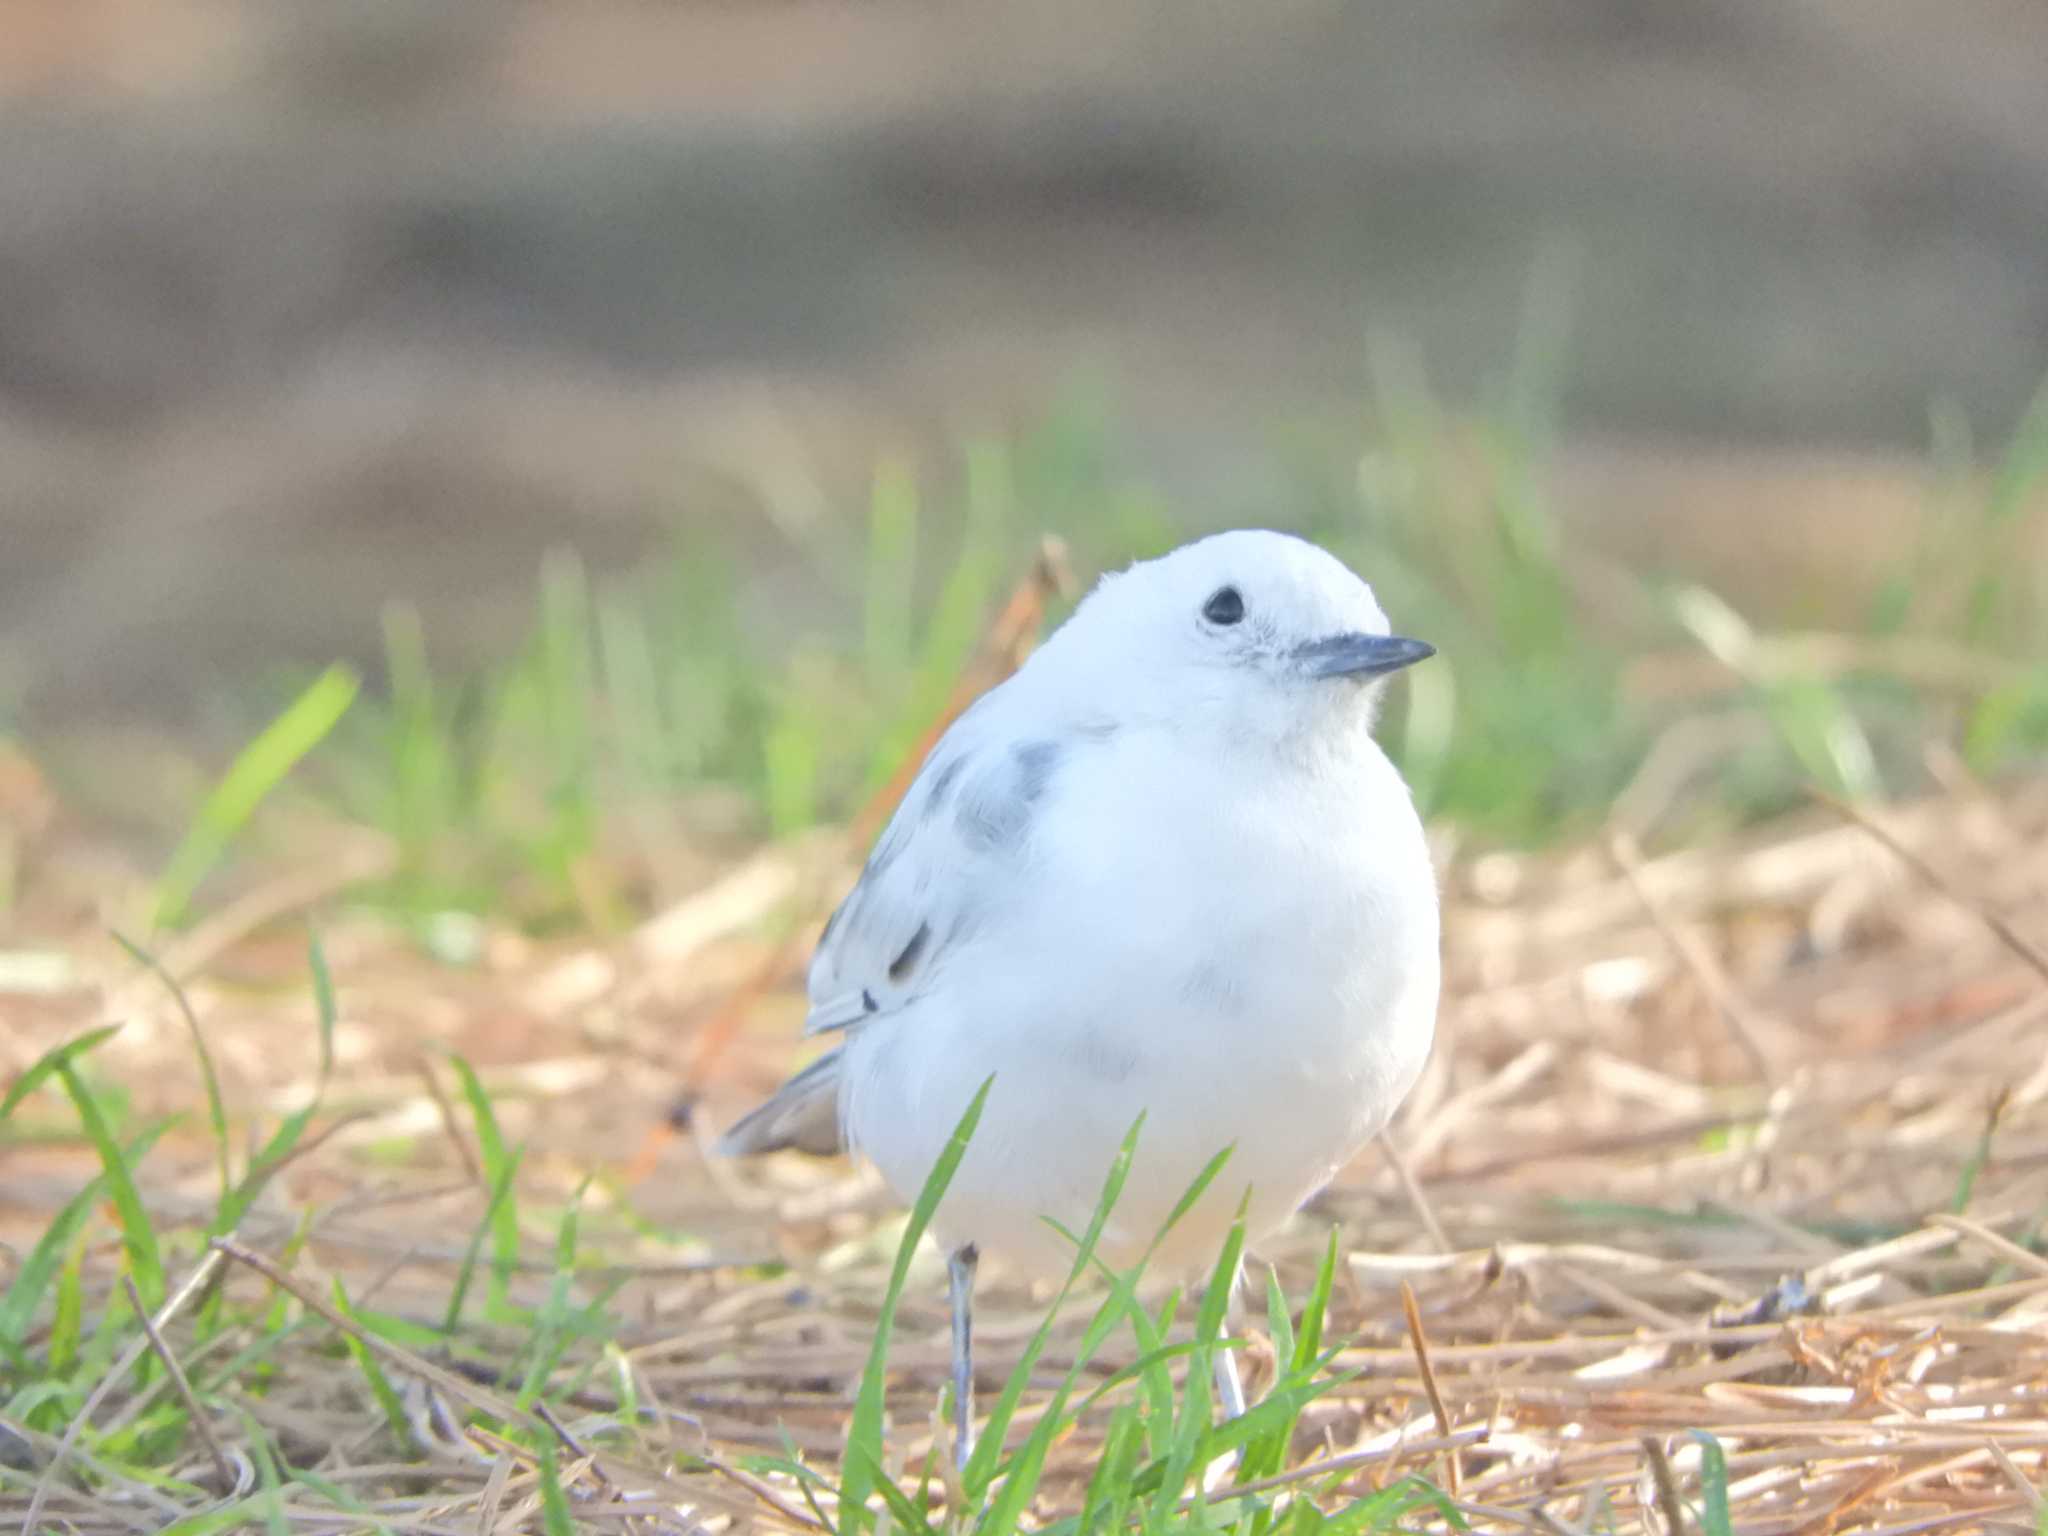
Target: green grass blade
<point x="1310" y="1337"/>
<point x="226" y="1517"/>
<point x="421" y="1338"/>
<point x="138" y="1235"/>
<point x="388" y="1401"/>
<point x="790" y="1464"/>
<point x="1266" y="1439"/>
<point x="490" y="1138"/>
<point x="790" y="753"/>
<point x="259" y="769"/>
<point x="1266" y="1453"/>
<point x="1812" y="718"/>
<point x="551" y="1327"/>
<point x="1028" y="1467"/>
<point x="1980" y="1156"/>
<point x="1995" y="609"/>
<point x="41" y="1266"/>
<point x="253" y="1363"/>
<point x="982" y="1463"/>
<point x="324" y="1009"/>
<point x="1121" y="1303"/>
<point x="554" y="1504"/>
<point x="501" y="1192"/>
<point x="1192" y="1425"/>
<point x="1382" y="1511"/>
<point x="1108" y="1487"/>
<point x="18" y="1307"/>
<point x="216" y="1111"/>
<point x="421" y="763"/>
<point x="1428" y="733"/>
<point x="497" y="1163"/>
<point x="274" y="1521"/>
<point x="1137" y="1370"/>
<point x="267" y="1161"/>
<point x="1186" y="1203"/>
<point x="1223" y="1278"/>
<point x="864" y="1432"/>
<point x="67" y="1323"/>
<point x="1423" y="1493"/>
<point x="284" y="1315"/>
<point x="285" y="1139"/>
<point x="334" y="1493"/>
<point x="1020" y="1485"/>
<point x="26" y="1406"/>
<point x="906" y="1514"/>
<point x="52" y="1061"/>
<point x="1714" y="1517"/>
<point x="1275" y="1415"/>
<point x="1279" y="1327"/>
<point x="627" y="1382"/>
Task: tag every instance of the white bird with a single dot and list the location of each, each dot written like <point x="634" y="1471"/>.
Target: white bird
<point x="1163" y="868"/>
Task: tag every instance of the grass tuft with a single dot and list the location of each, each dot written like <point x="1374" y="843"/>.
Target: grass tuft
<point x="216" y="1110"/>
<point x="549" y="793"/>
<point x="864" y="1429"/>
<point x="357" y="1403"/>
<point x="501" y="1218"/>
<point x="257" y="770"/>
<point x="385" y="1395"/>
<point x="1715" y="1519"/>
<point x="138" y="1232"/>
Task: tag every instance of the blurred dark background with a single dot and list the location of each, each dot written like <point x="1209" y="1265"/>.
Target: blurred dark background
<point x="307" y="305"/>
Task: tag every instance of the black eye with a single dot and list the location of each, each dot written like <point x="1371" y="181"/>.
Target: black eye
<point x="1225" y="606"/>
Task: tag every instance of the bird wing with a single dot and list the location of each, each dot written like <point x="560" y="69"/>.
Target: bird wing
<point x="803" y="1113"/>
<point x="953" y="843"/>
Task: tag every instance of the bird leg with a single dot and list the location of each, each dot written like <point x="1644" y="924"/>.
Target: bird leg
<point x="1229" y="1386"/>
<point x="960" y="1289"/>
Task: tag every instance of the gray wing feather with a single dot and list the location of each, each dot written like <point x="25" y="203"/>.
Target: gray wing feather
<point x="954" y="841"/>
<point x="951" y="843"/>
<point x="802" y="1114"/>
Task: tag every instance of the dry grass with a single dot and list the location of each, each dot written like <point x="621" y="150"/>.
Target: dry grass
<point x="1750" y="1141"/>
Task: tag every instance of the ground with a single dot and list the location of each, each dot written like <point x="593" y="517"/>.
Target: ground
<point x="1747" y="1142"/>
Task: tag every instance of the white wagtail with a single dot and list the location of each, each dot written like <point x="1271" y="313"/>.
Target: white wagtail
<point x="1163" y="868"/>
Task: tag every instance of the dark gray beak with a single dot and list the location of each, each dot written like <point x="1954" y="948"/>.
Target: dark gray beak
<point x="1361" y="655"/>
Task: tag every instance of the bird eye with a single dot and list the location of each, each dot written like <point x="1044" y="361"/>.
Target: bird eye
<point x="1225" y="606"/>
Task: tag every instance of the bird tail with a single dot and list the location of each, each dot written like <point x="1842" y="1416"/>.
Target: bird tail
<point x="802" y="1114"/>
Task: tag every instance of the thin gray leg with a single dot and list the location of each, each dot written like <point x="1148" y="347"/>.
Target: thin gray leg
<point x="1229" y="1384"/>
<point x="960" y="1287"/>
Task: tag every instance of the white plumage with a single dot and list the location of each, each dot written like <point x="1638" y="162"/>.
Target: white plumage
<point x="1165" y="867"/>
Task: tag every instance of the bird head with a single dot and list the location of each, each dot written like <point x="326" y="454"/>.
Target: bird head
<point x="1257" y="634"/>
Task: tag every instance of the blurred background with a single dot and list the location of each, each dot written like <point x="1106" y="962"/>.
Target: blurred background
<point x="513" y="486"/>
<point x="652" y="402"/>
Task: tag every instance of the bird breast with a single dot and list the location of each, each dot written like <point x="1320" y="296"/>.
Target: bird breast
<point x="1292" y="908"/>
<point x="1246" y="960"/>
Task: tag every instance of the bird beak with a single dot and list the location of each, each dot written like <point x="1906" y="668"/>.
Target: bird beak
<point x="1361" y="655"/>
